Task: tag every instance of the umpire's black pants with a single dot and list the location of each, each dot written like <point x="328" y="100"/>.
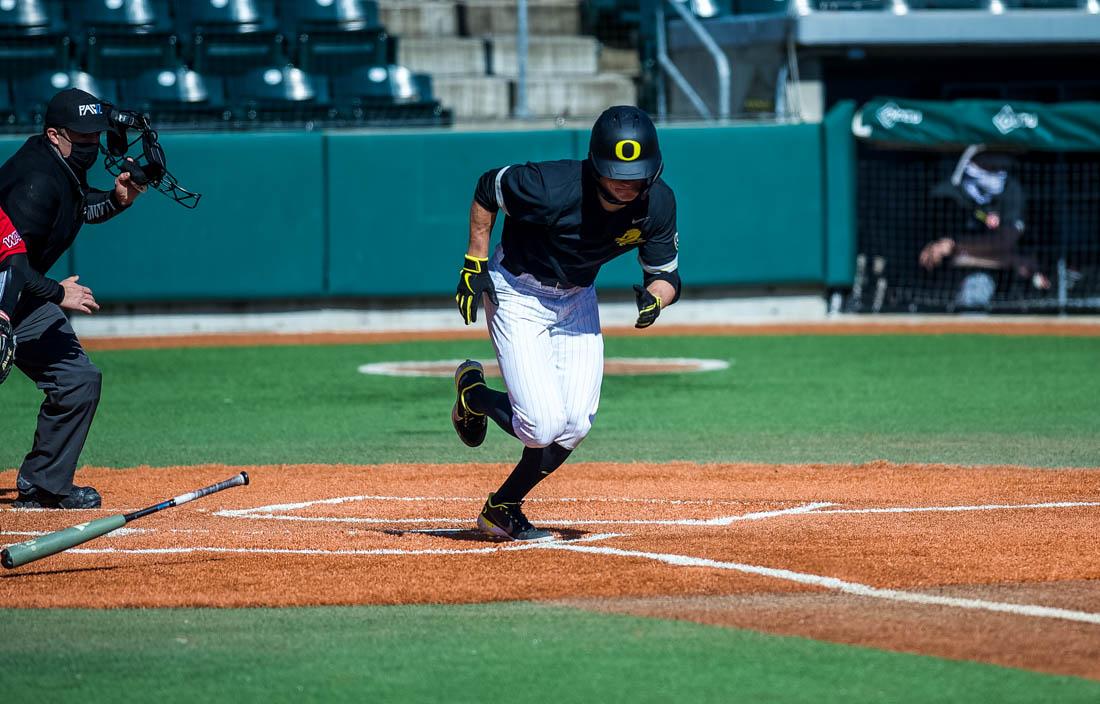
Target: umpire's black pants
<point x="48" y="352"/>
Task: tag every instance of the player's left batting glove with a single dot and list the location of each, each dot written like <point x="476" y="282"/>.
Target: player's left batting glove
<point x="649" y="306"/>
<point x="473" y="281"/>
<point x="7" y="348"/>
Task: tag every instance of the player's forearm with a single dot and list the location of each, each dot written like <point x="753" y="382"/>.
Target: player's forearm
<point x="481" y="230"/>
<point x="20" y="277"/>
<point x="101" y="206"/>
<point x="663" y="290"/>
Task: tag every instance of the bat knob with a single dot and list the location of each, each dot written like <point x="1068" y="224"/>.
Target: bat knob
<point x="245" y="475"/>
<point x="5" y="559"/>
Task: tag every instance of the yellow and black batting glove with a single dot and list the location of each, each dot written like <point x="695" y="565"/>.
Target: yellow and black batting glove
<point x="649" y="306"/>
<point x="473" y="281"/>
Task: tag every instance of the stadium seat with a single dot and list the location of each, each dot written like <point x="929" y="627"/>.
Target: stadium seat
<point x="948" y="4"/>
<point x="276" y="94"/>
<point x="850" y="5"/>
<point x="349" y="15"/>
<point x="334" y="38"/>
<point x="33" y="37"/>
<point x="32" y="94"/>
<point x="386" y="95"/>
<point x="382" y="84"/>
<point x="176" y="95"/>
<point x="226" y="38"/>
<point x="122" y="38"/>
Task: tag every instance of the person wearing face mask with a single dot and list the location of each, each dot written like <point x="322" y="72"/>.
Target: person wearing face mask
<point x="993" y="202"/>
<point x="44" y="201"/>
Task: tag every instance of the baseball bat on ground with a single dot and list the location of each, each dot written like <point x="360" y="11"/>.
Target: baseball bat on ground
<point x="53" y="543"/>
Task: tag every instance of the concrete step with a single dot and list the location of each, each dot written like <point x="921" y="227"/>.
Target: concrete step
<point x="442" y="56"/>
<point x="624" y="61"/>
<point x="579" y="95"/>
<point x="548" y="56"/>
<point x="474" y="97"/>
<point x="543" y="16"/>
<point x="419" y="18"/>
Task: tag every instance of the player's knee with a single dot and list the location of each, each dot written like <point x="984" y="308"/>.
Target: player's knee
<point x="575" y="430"/>
<point x="540" y="432"/>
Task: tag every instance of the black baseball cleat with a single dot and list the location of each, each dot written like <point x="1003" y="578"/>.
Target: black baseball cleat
<point x="79" y="497"/>
<point x="506" y="520"/>
<point x="469" y="425"/>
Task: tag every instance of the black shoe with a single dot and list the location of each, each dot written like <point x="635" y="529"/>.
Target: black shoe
<point x="470" y="426"/>
<point x="507" y="521"/>
<point x="79" y="497"/>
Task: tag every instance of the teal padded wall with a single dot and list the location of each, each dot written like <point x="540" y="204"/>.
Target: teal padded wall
<point x="839" y="174"/>
<point x="399" y="204"/>
<point x="749" y="206"/>
<point x="385" y="214"/>
<point x="256" y="233"/>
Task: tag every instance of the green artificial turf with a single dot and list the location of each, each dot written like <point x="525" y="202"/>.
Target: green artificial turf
<point x="958" y="399"/>
<point x="483" y="653"/>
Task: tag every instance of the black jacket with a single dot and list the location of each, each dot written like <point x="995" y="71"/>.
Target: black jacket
<point x="47" y="203"/>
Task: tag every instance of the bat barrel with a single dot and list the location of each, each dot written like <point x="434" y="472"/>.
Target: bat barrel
<point x="51" y="543"/>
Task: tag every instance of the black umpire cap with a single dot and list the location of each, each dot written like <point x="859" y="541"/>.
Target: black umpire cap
<point x="78" y="111"/>
<point x="624" y="145"/>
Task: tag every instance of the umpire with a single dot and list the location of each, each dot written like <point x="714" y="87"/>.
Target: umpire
<point x="44" y="201"/>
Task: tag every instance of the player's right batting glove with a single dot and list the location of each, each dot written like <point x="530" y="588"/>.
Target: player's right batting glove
<point x="473" y="281"/>
<point x="7" y="348"/>
<point x="649" y="306"/>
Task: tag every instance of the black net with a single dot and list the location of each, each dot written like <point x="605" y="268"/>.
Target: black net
<point x="937" y="232"/>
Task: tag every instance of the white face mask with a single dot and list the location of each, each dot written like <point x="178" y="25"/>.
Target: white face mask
<point x="982" y="185"/>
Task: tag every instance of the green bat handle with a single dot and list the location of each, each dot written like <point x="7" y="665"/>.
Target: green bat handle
<point x="51" y="543"/>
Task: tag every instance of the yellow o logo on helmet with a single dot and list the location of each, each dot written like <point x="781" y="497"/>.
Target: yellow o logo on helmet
<point x="635" y="151"/>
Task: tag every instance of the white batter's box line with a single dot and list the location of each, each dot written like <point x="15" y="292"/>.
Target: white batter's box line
<point x="271" y="508"/>
<point x="720" y="521"/>
<point x="978" y="507"/>
<point x="503" y="547"/>
<point x="839" y="585"/>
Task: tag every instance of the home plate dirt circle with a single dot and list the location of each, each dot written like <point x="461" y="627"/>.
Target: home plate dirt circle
<point x="622" y="366"/>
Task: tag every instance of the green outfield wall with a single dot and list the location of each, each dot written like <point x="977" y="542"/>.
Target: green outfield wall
<point x="384" y="214"/>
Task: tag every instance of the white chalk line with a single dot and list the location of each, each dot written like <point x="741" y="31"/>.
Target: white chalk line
<point x="720" y="521"/>
<point x="271" y="508"/>
<point x="839" y="585"/>
<point x="983" y="507"/>
<point x="337" y="553"/>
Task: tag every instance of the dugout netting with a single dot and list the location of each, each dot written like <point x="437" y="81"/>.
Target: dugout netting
<point x="908" y="197"/>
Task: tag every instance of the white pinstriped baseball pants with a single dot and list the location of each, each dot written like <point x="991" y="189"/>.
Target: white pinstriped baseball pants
<point x="550" y="350"/>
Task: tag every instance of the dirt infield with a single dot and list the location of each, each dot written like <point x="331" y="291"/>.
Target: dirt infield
<point x="996" y="564"/>
<point x="875" y="327"/>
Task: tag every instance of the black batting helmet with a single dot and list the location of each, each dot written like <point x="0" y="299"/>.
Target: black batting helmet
<point x="624" y="146"/>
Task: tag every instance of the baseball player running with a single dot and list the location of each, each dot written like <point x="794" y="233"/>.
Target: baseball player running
<point x="563" y="221"/>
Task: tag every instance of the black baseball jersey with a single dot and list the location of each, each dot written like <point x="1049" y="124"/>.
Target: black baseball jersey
<point x="556" y="230"/>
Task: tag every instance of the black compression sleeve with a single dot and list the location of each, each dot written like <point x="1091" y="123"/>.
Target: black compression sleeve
<point x="486" y="192"/>
<point x="101" y="206"/>
<point x="20" y="276"/>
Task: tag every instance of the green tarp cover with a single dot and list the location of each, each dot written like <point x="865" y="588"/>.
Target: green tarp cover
<point x="1053" y="127"/>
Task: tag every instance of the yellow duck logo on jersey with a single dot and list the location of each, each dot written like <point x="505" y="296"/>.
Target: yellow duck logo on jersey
<point x="631" y="236"/>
